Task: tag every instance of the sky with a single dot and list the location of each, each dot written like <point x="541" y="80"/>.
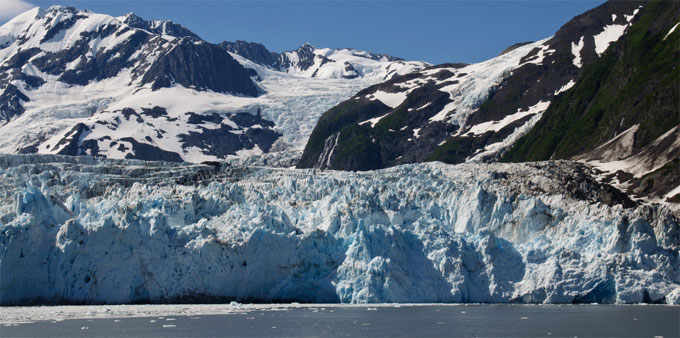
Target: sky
<point x="435" y="31"/>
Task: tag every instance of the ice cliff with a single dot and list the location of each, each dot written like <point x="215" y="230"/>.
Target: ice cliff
<point x="83" y="230"/>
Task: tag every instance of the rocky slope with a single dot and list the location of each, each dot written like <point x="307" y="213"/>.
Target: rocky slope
<point x="162" y="27"/>
<point x="623" y="115"/>
<point x="82" y="230"/>
<point x="461" y="113"/>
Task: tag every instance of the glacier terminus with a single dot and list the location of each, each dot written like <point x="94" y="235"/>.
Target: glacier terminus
<point x="88" y="231"/>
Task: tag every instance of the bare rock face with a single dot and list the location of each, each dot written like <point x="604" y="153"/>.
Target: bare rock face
<point x="161" y="27"/>
<point x="202" y="66"/>
<point x="253" y="51"/>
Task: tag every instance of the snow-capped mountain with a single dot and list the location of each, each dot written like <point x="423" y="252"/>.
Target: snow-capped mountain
<point x="622" y="117"/>
<point x="86" y="230"/>
<point x="64" y="71"/>
<point x="162" y="27"/>
<point x="592" y="92"/>
<point x="460" y="112"/>
<point x="76" y="82"/>
<point x="309" y="61"/>
<point x="82" y="229"/>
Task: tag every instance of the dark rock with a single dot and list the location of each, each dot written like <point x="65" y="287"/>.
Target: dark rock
<point x="159" y="27"/>
<point x="222" y="142"/>
<point x="73" y="145"/>
<point x="202" y="66"/>
<point x="202" y="118"/>
<point x="248" y="120"/>
<point x="11" y="103"/>
<point x="253" y="51"/>
<point x="143" y="151"/>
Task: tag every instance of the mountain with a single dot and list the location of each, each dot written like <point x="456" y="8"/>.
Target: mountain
<point x="457" y="112"/>
<point x="310" y="61"/>
<point x="75" y="82"/>
<point x="161" y="27"/>
<point x="602" y="90"/>
<point x="255" y="52"/>
<point x="601" y="94"/>
<point x="90" y="231"/>
<point x="623" y="115"/>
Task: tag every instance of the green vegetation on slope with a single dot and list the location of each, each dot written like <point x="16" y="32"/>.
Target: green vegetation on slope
<point x="636" y="81"/>
<point x="341" y="116"/>
<point x="358" y="152"/>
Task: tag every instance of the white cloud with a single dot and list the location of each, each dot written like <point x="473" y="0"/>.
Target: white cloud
<point x="11" y="8"/>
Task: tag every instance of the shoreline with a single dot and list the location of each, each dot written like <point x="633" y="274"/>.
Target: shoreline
<point x="11" y="315"/>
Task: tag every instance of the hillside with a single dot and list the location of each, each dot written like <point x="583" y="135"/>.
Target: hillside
<point x="464" y="113"/>
<point x="623" y="114"/>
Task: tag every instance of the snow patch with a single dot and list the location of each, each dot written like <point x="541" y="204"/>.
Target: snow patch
<point x="480" y="129"/>
<point x="672" y="193"/>
<point x="671" y="30"/>
<point x="576" y="51"/>
<point x="611" y="33"/>
<point x="473" y="88"/>
<point x="566" y="87"/>
<point x="374" y="120"/>
<point x="391" y="100"/>
<point x="629" y="18"/>
<point x="543" y="51"/>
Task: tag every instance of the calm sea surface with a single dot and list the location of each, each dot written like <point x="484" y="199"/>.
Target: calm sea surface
<point x="368" y="321"/>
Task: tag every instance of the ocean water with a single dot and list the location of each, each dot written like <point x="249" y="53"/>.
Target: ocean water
<point x="366" y="321"/>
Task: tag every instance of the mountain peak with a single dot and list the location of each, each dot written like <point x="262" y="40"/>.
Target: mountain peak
<point x="130" y="17"/>
<point x="163" y="27"/>
<point x="306" y="47"/>
<point x="64" y="9"/>
<point x="310" y="61"/>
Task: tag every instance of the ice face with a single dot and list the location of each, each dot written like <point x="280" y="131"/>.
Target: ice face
<point x="116" y="231"/>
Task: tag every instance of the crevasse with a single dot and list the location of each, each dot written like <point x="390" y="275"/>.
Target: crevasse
<point x="84" y="230"/>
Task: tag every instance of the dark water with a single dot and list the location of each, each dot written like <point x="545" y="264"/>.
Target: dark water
<point x="366" y="321"/>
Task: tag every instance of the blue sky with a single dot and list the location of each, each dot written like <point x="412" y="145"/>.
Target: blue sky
<point x="433" y="31"/>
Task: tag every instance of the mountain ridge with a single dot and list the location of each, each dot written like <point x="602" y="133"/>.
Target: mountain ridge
<point x="627" y="108"/>
<point x="67" y="72"/>
<point x="489" y="104"/>
<point x="485" y="112"/>
<point x="311" y="61"/>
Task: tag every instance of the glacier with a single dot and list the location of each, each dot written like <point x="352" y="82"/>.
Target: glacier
<point x="52" y="107"/>
<point x="84" y="230"/>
